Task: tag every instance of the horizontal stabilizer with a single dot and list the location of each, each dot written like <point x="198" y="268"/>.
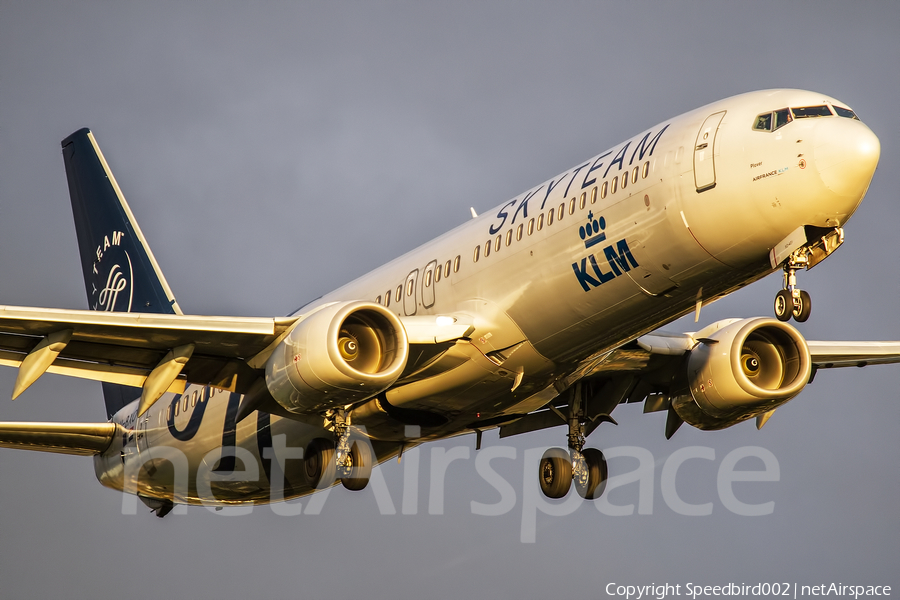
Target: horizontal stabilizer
<point x="83" y="439"/>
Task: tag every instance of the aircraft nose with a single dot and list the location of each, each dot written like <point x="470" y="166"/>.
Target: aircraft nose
<point x="846" y="154"/>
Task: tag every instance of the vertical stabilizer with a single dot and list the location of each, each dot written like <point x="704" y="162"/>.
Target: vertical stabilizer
<point x="120" y="272"/>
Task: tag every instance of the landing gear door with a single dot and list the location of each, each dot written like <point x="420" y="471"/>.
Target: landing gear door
<point x="704" y="153"/>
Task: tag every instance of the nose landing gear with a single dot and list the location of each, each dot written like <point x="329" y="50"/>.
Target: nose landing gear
<point x="822" y="242"/>
<point x="792" y="301"/>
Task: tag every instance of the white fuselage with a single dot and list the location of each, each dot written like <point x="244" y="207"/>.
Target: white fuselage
<point x="607" y="251"/>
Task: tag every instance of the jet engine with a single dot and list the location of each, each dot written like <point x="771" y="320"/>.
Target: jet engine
<point x="340" y="354"/>
<point x="743" y="369"/>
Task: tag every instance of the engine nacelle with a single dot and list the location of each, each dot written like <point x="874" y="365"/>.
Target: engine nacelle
<point x="743" y="369"/>
<point x="340" y="354"/>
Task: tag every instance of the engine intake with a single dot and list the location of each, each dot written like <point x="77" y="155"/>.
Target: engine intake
<point x="743" y="369"/>
<point x="338" y="355"/>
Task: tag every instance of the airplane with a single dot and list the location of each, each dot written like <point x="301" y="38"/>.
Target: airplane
<point x="545" y="311"/>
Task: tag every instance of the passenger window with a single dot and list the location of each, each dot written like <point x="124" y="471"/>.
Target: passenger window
<point x="583" y="199"/>
<point x="487" y="248"/>
<point x="409" y="287"/>
<point x="497" y="242"/>
<point x="427" y="279"/>
<point x="645" y="170"/>
<point x="194" y="399"/>
<point x="550" y="217"/>
<point x="603" y="189"/>
<point x="845" y="112"/>
<point x="455" y="265"/>
<point x="572" y="206"/>
<point x="437" y="273"/>
<point x="624" y="180"/>
<point x="811" y="111"/>
<point x="475" y="256"/>
<point x="169" y="412"/>
<point x="447" y="267"/>
<point x="185" y="401"/>
<point x="398" y="293"/>
<point x="562" y="210"/>
<point x="509" y="237"/>
<point x="177" y="408"/>
<point x="613" y="185"/>
<point x="387" y="298"/>
<point x="531" y="226"/>
<point x="378" y="300"/>
<point x="519" y="231"/>
<point x="540" y="223"/>
<point x="593" y="195"/>
<point x="763" y="122"/>
<point x="634" y="173"/>
<point x="782" y="117"/>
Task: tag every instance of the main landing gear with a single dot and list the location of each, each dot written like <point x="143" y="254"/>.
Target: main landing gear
<point x="586" y="467"/>
<point x="792" y="301"/>
<point x="345" y="457"/>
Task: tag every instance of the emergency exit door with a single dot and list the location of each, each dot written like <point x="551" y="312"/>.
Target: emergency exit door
<point x="705" y="151"/>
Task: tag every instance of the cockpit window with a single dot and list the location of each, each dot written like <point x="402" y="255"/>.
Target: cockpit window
<point x="763" y="122"/>
<point x="773" y="120"/>
<point x="845" y="112"/>
<point x="783" y="117"/>
<point x="811" y="111"/>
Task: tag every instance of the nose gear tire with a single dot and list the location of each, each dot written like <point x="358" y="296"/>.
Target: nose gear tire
<point x="802" y="307"/>
<point x="784" y="305"/>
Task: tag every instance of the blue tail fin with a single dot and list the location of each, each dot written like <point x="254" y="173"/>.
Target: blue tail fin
<point x="120" y="272"/>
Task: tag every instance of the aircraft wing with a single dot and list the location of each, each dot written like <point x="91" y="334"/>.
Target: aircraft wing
<point x="643" y="371"/>
<point x="827" y="355"/>
<point x="83" y="439"/>
<point x="124" y="348"/>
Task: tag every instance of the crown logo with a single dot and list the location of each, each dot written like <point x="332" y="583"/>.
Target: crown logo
<point x="592" y="231"/>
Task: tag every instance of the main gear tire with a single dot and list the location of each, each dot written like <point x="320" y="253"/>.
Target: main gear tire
<point x="555" y="473"/>
<point x="597" y="474"/>
<point x="320" y="468"/>
<point x="360" y="466"/>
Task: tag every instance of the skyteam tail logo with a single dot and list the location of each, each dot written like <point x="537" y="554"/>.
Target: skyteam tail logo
<point x="592" y="271"/>
<point x="112" y="287"/>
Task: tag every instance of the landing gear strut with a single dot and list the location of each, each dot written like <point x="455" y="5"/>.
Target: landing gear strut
<point x="586" y="467"/>
<point x="792" y="301"/>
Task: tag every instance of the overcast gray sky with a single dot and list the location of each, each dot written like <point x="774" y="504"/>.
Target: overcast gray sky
<point x="273" y="151"/>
